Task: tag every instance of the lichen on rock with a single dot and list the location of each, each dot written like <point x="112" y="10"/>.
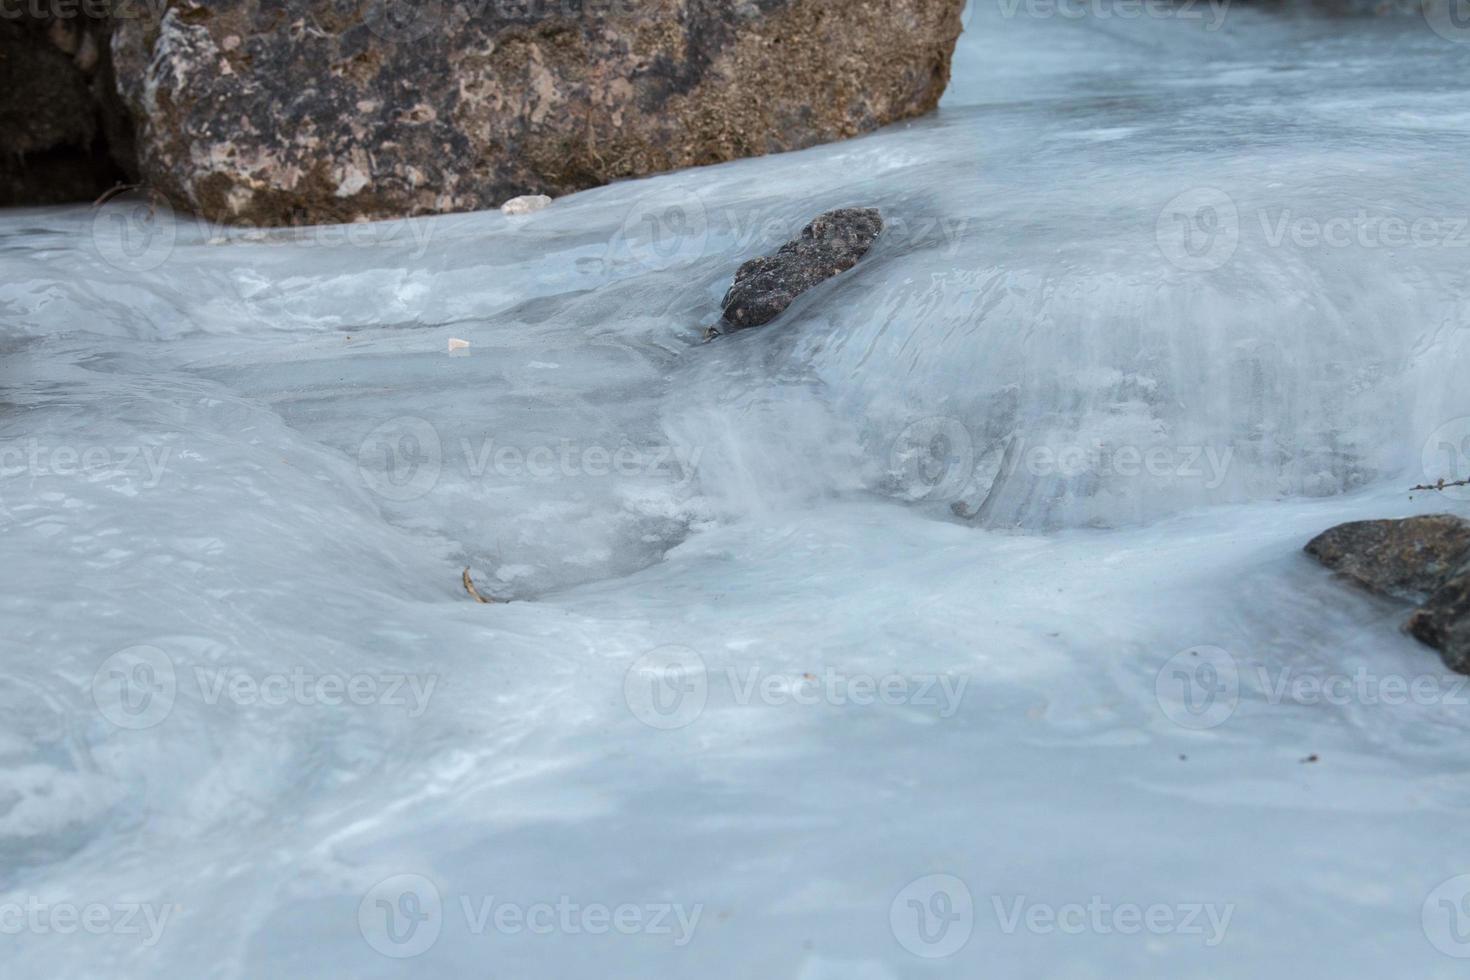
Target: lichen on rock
<point x="276" y="113"/>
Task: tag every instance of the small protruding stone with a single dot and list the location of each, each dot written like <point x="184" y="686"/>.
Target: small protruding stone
<point x="764" y="287"/>
<point x="525" y="204"/>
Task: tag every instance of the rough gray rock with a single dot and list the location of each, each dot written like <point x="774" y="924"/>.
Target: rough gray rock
<point x="1422" y="559"/>
<point x="275" y="112"/>
<point x="1407" y="558"/>
<point x="764" y="287"/>
<point x="1443" y="622"/>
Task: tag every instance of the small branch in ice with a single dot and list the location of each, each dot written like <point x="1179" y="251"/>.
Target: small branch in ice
<point x="1440" y="484"/>
<point x="469" y="586"/>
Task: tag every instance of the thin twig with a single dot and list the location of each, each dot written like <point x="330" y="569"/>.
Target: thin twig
<point x="469" y="586"/>
<point x="1440" y="484"/>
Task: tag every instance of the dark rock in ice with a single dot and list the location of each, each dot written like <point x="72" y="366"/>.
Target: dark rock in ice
<point x="1407" y="558"/>
<point x="1443" y="622"/>
<point x="764" y="287"/>
<point x="1423" y="559"/>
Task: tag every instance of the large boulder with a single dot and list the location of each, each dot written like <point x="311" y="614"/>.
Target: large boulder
<point x="1443" y="622"/>
<point x="1422" y="559"/>
<point x="1407" y="558"/>
<point x="277" y="112"/>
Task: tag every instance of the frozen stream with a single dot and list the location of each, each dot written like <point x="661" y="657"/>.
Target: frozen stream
<point x="984" y="563"/>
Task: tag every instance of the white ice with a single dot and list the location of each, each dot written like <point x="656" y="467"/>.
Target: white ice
<point x="241" y="474"/>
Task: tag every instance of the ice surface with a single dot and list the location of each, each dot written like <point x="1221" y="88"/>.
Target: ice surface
<point x="1040" y="464"/>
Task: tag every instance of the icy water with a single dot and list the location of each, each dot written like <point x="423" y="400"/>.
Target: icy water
<point x="956" y="625"/>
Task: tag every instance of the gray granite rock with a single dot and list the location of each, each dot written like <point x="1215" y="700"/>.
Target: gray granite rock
<point x="1422" y="559"/>
<point x="1443" y="622"/>
<point x="1407" y="558"/>
<point x="286" y="111"/>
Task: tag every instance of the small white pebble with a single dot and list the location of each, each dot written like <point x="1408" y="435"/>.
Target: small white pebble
<point x="525" y="204"/>
<point x="456" y="344"/>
